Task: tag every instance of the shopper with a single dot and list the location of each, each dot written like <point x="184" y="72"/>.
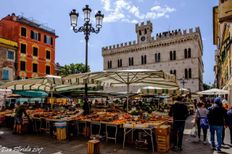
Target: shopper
<point x="201" y="116"/>
<point x="229" y="122"/>
<point x="179" y="112"/>
<point x="217" y="117"/>
<point x="19" y="111"/>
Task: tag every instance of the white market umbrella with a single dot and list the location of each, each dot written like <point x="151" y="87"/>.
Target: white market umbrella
<point x="214" y="91"/>
<point x="120" y="78"/>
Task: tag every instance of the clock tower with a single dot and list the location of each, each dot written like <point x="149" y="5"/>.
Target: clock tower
<point x="144" y="32"/>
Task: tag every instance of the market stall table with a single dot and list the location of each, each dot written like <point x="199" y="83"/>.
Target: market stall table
<point x="131" y="128"/>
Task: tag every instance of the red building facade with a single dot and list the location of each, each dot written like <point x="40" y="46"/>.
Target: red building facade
<point x="36" y="46"/>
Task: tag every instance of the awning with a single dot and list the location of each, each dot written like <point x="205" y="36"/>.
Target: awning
<point x="31" y="93"/>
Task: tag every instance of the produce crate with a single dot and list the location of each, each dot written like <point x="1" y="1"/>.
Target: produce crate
<point x="163" y="143"/>
<point x="163" y="138"/>
<point x="93" y="147"/>
<point x="163" y="130"/>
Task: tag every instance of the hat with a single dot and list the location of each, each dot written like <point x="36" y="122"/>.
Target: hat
<point x="217" y="100"/>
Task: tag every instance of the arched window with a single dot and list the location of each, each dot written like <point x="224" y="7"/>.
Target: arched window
<point x="189" y="52"/>
<point x="145" y="31"/>
<point x="174" y="55"/>
<point x="186" y="73"/>
<point x="170" y="54"/>
<point x="140" y="33"/>
<point x="190" y="73"/>
<point x="185" y="53"/>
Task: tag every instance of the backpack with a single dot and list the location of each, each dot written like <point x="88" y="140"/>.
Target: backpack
<point x="204" y="123"/>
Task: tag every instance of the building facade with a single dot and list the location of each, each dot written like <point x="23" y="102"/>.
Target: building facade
<point x="176" y="52"/>
<point x="222" y="38"/>
<point x="36" y="45"/>
<point x="8" y="50"/>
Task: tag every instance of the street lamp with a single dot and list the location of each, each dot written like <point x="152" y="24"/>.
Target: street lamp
<point x="86" y="29"/>
<point x="183" y="82"/>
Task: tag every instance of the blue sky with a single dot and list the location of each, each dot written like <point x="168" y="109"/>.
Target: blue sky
<point x="118" y="24"/>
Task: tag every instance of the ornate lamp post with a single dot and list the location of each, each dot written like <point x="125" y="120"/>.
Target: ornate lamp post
<point x="183" y="82"/>
<point x="86" y="29"/>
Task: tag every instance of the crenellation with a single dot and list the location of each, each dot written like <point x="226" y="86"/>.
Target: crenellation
<point x="197" y="29"/>
<point x="134" y="42"/>
<point x="118" y="45"/>
<point x="130" y="43"/>
<point x="125" y="44"/>
<point x="190" y="30"/>
<point x="121" y="45"/>
<point x="113" y="46"/>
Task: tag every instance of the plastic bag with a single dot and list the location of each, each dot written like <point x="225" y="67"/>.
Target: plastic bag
<point x="204" y="123"/>
<point x="193" y="132"/>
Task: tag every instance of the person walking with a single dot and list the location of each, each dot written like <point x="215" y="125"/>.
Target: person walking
<point x="201" y="115"/>
<point x="229" y="122"/>
<point x="217" y="117"/>
<point x="19" y="112"/>
<point x="179" y="112"/>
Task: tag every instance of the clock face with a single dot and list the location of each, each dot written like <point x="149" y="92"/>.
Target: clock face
<point x="143" y="38"/>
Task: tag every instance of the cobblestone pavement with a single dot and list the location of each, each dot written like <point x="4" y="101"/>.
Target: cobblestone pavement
<point x="79" y="145"/>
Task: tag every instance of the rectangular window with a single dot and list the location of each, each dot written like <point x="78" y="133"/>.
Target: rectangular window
<point x="35" y="35"/>
<point x="23" y="48"/>
<point x="35" y="68"/>
<point x="10" y="55"/>
<point x="186" y="73"/>
<point x="189" y="52"/>
<point x="5" y="74"/>
<point x="48" y="39"/>
<point x="174" y="55"/>
<point x="109" y="64"/>
<point x="48" y="54"/>
<point x="190" y="73"/>
<point x="157" y="57"/>
<point x="47" y="69"/>
<point x="35" y="51"/>
<point x="119" y="62"/>
<point x="22" y="65"/>
<point x="145" y="59"/>
<point x="185" y="53"/>
<point x="23" y="31"/>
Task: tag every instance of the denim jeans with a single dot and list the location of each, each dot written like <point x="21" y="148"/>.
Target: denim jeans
<point x="218" y="130"/>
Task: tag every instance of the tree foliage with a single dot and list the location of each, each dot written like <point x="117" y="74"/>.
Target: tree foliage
<point x="73" y="69"/>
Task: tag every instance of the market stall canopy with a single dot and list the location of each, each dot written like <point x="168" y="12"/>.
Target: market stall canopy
<point x="45" y="84"/>
<point x="213" y="91"/>
<point x="31" y="93"/>
<point x="119" y="78"/>
<point x="150" y="90"/>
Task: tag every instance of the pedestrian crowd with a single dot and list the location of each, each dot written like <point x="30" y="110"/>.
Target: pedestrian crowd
<point x="214" y="118"/>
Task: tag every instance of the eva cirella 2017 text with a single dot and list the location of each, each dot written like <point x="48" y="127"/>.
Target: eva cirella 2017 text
<point x="21" y="149"/>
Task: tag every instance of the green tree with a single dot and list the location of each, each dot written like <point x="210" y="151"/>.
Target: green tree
<point x="206" y="86"/>
<point x="73" y="69"/>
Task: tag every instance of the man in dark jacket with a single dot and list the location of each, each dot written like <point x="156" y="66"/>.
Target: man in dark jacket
<point x="217" y="117"/>
<point x="179" y="112"/>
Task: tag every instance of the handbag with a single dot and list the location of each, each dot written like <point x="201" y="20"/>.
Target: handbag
<point x="204" y="123"/>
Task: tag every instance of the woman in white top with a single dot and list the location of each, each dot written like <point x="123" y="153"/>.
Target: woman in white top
<point x="201" y="112"/>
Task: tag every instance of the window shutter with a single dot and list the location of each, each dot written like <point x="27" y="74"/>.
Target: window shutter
<point x="51" y="41"/>
<point x="32" y="34"/>
<point x="39" y="37"/>
<point x="45" y="39"/>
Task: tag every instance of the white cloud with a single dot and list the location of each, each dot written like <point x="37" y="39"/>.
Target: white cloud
<point x="126" y="11"/>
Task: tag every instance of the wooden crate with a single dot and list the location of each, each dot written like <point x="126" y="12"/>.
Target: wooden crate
<point x="163" y="143"/>
<point x="163" y="130"/>
<point x="93" y="147"/>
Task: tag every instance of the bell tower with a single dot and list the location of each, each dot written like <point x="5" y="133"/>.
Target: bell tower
<point x="144" y="32"/>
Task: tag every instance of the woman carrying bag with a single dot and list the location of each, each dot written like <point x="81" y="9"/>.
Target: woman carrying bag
<point x="201" y="121"/>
